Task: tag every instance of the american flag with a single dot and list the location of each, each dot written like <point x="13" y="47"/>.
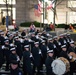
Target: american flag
<point x="50" y="6"/>
<point x="37" y="9"/>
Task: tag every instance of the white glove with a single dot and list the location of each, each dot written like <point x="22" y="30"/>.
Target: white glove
<point x="3" y="47"/>
<point x="70" y="57"/>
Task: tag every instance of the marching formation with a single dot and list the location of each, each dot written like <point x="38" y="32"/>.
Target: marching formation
<point x="30" y="54"/>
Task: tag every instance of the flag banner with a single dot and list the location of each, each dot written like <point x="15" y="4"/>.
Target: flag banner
<point x="38" y="9"/>
<point x="49" y="7"/>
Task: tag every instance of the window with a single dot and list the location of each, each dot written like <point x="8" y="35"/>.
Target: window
<point x="72" y="3"/>
<point x="9" y="1"/>
<point x="72" y="17"/>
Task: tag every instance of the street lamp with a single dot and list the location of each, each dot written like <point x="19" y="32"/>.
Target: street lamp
<point x="6" y="1"/>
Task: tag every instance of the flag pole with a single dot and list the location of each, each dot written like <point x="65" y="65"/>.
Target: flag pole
<point x="54" y="13"/>
<point x="43" y="16"/>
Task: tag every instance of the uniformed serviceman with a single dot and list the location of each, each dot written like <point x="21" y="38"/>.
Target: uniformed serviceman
<point x="26" y="41"/>
<point x="72" y="49"/>
<point x="52" y="46"/>
<point x="23" y="33"/>
<point x="43" y="51"/>
<point x="48" y="62"/>
<point x="63" y="53"/>
<point x="62" y="40"/>
<point x="14" y="69"/>
<point x="27" y="68"/>
<point x="10" y="38"/>
<point x="57" y="44"/>
<point x="34" y="39"/>
<point x="19" y="47"/>
<point x="6" y="52"/>
<point x="2" y="38"/>
<point x="1" y="57"/>
<point x="36" y="52"/>
<point x="13" y="56"/>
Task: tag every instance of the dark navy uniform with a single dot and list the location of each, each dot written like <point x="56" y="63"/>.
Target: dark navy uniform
<point x="27" y="68"/>
<point x="63" y="53"/>
<point x="16" y="72"/>
<point x="52" y="46"/>
<point x="23" y="33"/>
<point x="2" y="39"/>
<point x="1" y="57"/>
<point x="58" y="45"/>
<point x="37" y="58"/>
<point x="62" y="40"/>
<point x="6" y="52"/>
<point x="14" y="56"/>
<point x="43" y="51"/>
<point x="14" y="69"/>
<point x="48" y="63"/>
<point x="18" y="48"/>
<point x="72" y="64"/>
<point x="10" y="38"/>
<point x="26" y="41"/>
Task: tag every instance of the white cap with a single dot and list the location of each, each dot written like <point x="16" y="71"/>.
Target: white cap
<point x="13" y="49"/>
<point x="61" y="35"/>
<point x="50" y="39"/>
<point x="43" y="41"/>
<point x="55" y="37"/>
<point x="63" y="46"/>
<point x="10" y="35"/>
<point x="36" y="43"/>
<point x="11" y="44"/>
<point x="42" y="37"/>
<point x="16" y="37"/>
<point x="2" y="32"/>
<point x="50" y="51"/>
<point x="68" y="34"/>
<point x="6" y="41"/>
<point x="5" y="37"/>
<point x="72" y="42"/>
<point x="26" y="46"/>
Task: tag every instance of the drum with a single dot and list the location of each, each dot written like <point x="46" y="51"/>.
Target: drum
<point x="60" y="66"/>
<point x="73" y="56"/>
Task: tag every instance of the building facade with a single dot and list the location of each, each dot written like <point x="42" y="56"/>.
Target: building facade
<point x="23" y="11"/>
<point x="65" y="12"/>
<point x="10" y="8"/>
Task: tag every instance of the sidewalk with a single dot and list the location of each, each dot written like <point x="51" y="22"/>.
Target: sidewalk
<point x="56" y="29"/>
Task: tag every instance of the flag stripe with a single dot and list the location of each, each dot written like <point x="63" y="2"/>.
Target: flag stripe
<point x="49" y="7"/>
<point x="37" y="9"/>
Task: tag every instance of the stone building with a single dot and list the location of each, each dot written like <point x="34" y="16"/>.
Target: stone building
<point x="65" y="10"/>
<point x="23" y="11"/>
